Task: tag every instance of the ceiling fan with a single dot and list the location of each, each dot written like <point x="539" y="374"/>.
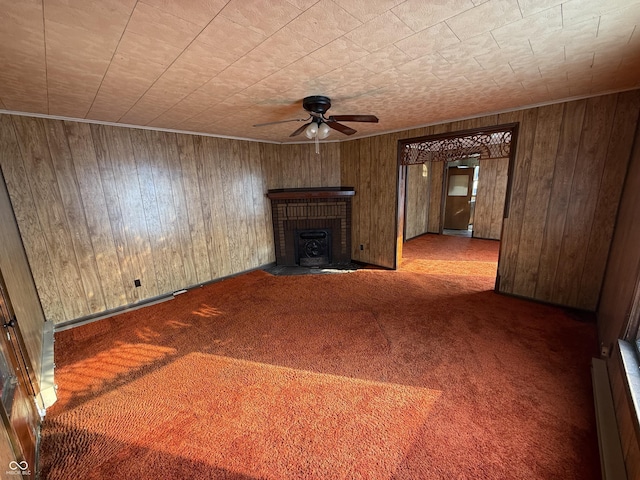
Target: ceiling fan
<point x="319" y="126"/>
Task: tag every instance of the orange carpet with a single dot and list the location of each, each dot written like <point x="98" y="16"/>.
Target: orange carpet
<point x="418" y="373"/>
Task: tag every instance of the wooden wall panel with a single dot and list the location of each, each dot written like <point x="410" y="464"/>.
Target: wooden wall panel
<point x="615" y="167"/>
<point x="126" y="208"/>
<point x="299" y="166"/>
<point x="71" y="201"/>
<point x="536" y="201"/>
<point x="487" y="174"/>
<point x="499" y="198"/>
<point x="623" y="269"/>
<point x="350" y="174"/>
<point x="99" y="207"/>
<point x="436" y="173"/>
<point x="261" y="214"/>
<point x="619" y="289"/>
<point x="559" y="197"/>
<point x="417" y="203"/>
<point x="490" y="198"/>
<point x="36" y="153"/>
<point x="512" y="225"/>
<point x="436" y="184"/>
<point x="21" y="288"/>
<point x="365" y="166"/>
<point x="25" y="212"/>
<point x="596" y="131"/>
<point x="93" y="202"/>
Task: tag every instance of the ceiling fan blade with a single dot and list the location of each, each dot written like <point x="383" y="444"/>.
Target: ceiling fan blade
<point x="300" y="130"/>
<point x="354" y="118"/>
<point x="282" y="121"/>
<point x="341" y="128"/>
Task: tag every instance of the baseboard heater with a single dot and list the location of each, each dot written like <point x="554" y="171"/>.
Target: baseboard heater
<point x="611" y="457"/>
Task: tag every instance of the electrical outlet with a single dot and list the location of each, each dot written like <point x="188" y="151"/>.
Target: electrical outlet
<point x="137" y="283"/>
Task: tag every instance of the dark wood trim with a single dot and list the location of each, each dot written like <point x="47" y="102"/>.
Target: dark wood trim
<point x="302" y="193"/>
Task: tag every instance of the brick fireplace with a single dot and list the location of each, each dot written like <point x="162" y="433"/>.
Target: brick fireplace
<point x="312" y="226"/>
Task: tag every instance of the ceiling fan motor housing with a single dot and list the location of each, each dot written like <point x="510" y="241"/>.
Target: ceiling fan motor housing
<point x="316" y="104"/>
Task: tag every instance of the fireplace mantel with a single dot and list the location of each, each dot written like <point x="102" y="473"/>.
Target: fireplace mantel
<point x="299" y="212"/>
<point x="303" y="193"/>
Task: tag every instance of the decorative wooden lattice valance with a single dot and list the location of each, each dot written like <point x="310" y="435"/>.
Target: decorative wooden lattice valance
<point x="450" y="148"/>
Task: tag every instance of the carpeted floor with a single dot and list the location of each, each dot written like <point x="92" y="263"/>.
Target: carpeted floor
<point x="418" y="373"/>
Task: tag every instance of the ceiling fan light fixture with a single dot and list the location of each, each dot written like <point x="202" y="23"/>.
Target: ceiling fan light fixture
<point x="323" y="131"/>
<point x="311" y="131"/>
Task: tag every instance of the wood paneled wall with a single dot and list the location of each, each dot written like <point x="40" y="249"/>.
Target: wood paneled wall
<point x="570" y="164"/>
<point x="297" y="166"/>
<point x="619" y="290"/>
<point x="21" y="289"/>
<point x="569" y="171"/>
<point x="417" y="200"/>
<point x="490" y="198"/>
<point x="372" y="169"/>
<point x="623" y="269"/>
<point x="436" y="186"/>
<point x="99" y="207"/>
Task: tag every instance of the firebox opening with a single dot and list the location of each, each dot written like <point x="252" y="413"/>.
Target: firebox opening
<point x="313" y="247"/>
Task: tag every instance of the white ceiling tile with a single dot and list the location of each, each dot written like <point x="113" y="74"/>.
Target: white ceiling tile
<point x="126" y="80"/>
<point x="383" y="59"/>
<point x="418" y="14"/>
<point x="365" y="10"/>
<point x="576" y="11"/>
<point x="283" y="48"/>
<point x="228" y="40"/>
<point x="23" y="81"/>
<point x="100" y="17"/>
<point x="199" y="12"/>
<point x="265" y="17"/>
<point x="200" y="59"/>
<point x="323" y="22"/>
<point x="531" y="7"/>
<point x="303" y="4"/>
<point x="135" y="46"/>
<point x="576" y="34"/>
<point x="620" y="22"/>
<point x="379" y="32"/>
<point x="484" y="18"/>
<point x="532" y="27"/>
<point x="472" y="47"/>
<point x="158" y="25"/>
<point x="429" y="40"/>
<point x="338" y="53"/>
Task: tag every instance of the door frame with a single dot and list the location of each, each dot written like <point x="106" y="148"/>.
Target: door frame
<point x="452" y="137"/>
<point x="23" y="433"/>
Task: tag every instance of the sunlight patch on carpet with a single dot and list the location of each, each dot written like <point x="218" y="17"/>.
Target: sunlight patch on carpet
<point x="461" y="268"/>
<point x="257" y="420"/>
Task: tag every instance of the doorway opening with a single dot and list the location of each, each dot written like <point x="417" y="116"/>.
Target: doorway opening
<point x="460" y="194"/>
<point x="456" y="183"/>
